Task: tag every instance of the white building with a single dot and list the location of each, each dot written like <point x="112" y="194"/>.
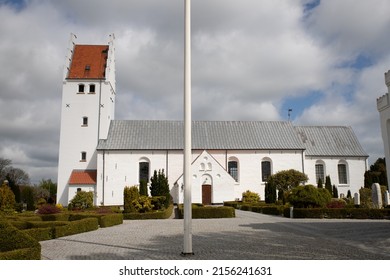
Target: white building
<point x="229" y="157"/>
<point x="383" y="105"/>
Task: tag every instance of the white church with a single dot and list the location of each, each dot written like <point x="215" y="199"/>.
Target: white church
<point x="100" y="154"/>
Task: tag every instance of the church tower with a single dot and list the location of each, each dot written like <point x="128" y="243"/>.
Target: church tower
<point x="88" y="106"/>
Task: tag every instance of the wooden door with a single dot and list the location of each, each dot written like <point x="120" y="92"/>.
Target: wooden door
<point x="206" y="194"/>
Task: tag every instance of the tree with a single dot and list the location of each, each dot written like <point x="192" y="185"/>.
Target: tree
<point x="287" y="179"/>
<point x="319" y="183"/>
<point x="159" y="186"/>
<point x="376" y="174"/>
<point x="143" y="187"/>
<point x="7" y="198"/>
<point x="270" y="193"/>
<point x="328" y="185"/>
<point x="49" y="186"/>
<point x="335" y="192"/>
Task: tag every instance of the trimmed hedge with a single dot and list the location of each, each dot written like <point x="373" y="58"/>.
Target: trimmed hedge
<point x="343" y="213"/>
<point x="104" y="220"/>
<point x="208" y="212"/>
<point x="84" y="225"/>
<point x="165" y="214"/>
<point x="16" y="245"/>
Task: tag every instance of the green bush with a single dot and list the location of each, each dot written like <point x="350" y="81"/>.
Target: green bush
<point x="143" y="204"/>
<point x="164" y="214"/>
<point x="7" y="198"/>
<point x="201" y="212"/>
<point x="82" y="200"/>
<point x="129" y="195"/>
<point x="308" y="196"/>
<point x="250" y="197"/>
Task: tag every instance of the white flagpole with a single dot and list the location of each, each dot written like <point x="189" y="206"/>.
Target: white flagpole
<point x="187" y="132"/>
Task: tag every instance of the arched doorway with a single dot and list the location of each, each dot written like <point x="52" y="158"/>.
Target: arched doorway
<point x="207" y="189"/>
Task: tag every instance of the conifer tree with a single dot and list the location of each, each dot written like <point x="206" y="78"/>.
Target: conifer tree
<point x="328" y="184"/>
<point x="335" y="192"/>
<point x="319" y="183"/>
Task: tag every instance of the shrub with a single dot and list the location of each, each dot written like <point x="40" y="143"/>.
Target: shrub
<point x="270" y="192"/>
<point x="143" y="187"/>
<point x="165" y="214"/>
<point x="129" y="195"/>
<point x="201" y="212"/>
<point x="48" y="209"/>
<point x="159" y="186"/>
<point x="142" y="204"/>
<point x="308" y="196"/>
<point x="336" y="203"/>
<point x="250" y="197"/>
<point x="7" y="198"/>
<point x="82" y="200"/>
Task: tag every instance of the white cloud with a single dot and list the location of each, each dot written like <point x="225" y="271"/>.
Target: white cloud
<point x="248" y="57"/>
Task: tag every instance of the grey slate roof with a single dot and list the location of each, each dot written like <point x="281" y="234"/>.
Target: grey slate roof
<point x="330" y="141"/>
<point x="208" y="135"/>
<point x="233" y="135"/>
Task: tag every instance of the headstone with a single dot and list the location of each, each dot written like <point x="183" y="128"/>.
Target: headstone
<point x="356" y="199"/>
<point x="387" y="199"/>
<point x="376" y="196"/>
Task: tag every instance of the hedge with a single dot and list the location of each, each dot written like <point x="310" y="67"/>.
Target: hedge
<point x="343" y="213"/>
<point x="84" y="225"/>
<point x="165" y="214"/>
<point x="104" y="220"/>
<point x="16" y="245"/>
<point x="201" y="212"/>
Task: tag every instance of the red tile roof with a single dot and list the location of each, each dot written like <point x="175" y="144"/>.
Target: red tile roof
<point x="83" y="177"/>
<point x="88" y="62"/>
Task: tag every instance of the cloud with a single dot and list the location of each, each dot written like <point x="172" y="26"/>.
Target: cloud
<point x="249" y="58"/>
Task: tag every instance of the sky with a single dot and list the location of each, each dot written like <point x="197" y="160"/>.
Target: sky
<point x="251" y="60"/>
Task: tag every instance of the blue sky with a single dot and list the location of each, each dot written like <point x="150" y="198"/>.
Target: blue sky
<point x="252" y="60"/>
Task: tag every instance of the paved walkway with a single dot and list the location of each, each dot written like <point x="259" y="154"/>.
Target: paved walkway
<point x="249" y="236"/>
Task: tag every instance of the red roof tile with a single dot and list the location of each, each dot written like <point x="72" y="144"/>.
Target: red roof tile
<point x="83" y="177"/>
<point x="88" y="62"/>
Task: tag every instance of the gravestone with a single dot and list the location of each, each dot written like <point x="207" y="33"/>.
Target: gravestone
<point x="387" y="202"/>
<point x="356" y="199"/>
<point x="376" y="196"/>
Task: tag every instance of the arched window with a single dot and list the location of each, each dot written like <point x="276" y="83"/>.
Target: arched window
<point x="144" y="167"/>
<point x="320" y="171"/>
<point x="265" y="169"/>
<point x="342" y="169"/>
<point x="233" y="168"/>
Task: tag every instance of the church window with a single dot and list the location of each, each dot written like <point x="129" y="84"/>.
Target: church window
<point x="83" y="156"/>
<point x="320" y="171"/>
<point x="342" y="172"/>
<point x="265" y="170"/>
<point x="81" y="88"/>
<point x="91" y="88"/>
<point x="144" y="171"/>
<point x="233" y="168"/>
<point x="85" y="121"/>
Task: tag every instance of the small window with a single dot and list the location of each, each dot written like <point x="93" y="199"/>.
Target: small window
<point x="85" y="121"/>
<point x="144" y="171"/>
<point x="233" y="169"/>
<point x="78" y="189"/>
<point x="92" y="88"/>
<point x="342" y="170"/>
<point x="83" y="156"/>
<point x="320" y="174"/>
<point x="265" y="170"/>
<point x="81" y="88"/>
<point x="87" y="67"/>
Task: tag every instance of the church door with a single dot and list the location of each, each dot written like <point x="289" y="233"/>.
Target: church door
<point x="206" y="194"/>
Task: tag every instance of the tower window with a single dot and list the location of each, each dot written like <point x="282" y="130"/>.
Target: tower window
<point x="85" y="121"/>
<point x="92" y="88"/>
<point x="83" y="156"/>
<point x="81" y="88"/>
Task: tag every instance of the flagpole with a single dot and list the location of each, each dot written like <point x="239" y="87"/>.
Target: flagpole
<point x="187" y="132"/>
